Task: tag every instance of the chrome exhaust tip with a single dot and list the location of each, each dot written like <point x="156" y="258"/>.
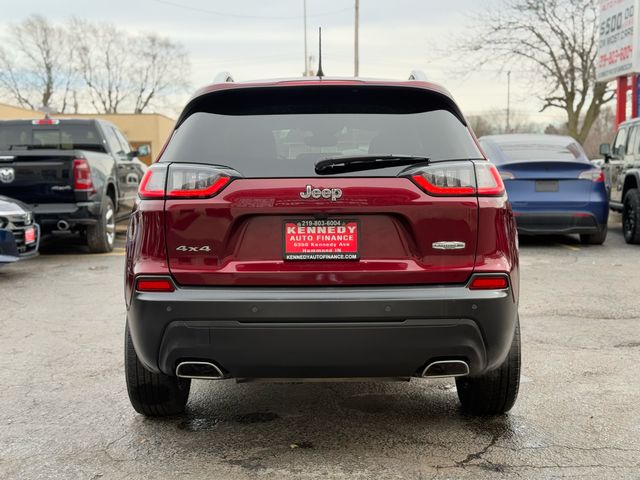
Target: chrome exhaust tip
<point x="199" y="370"/>
<point x="446" y="368"/>
<point x="63" y="225"/>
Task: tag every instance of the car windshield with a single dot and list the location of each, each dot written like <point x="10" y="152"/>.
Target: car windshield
<point x="288" y="140"/>
<point x="60" y="137"/>
<point x="561" y="150"/>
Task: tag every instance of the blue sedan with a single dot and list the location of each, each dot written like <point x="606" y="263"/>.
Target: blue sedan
<point x="552" y="186"/>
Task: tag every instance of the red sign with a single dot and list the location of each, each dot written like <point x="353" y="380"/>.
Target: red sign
<point x="30" y="235"/>
<point x="321" y="240"/>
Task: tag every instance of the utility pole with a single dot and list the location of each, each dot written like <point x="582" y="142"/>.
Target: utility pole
<point x="356" y="53"/>
<point x="508" y="101"/>
<point x="306" y="57"/>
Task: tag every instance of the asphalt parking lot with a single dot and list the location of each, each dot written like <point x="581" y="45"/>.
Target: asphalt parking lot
<point x="65" y="412"/>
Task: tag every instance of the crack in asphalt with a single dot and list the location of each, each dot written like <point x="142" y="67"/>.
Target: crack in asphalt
<point x="478" y="455"/>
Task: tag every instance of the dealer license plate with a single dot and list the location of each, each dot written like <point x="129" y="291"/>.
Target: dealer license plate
<point x="329" y="239"/>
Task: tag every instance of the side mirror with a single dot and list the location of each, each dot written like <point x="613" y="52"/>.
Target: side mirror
<point x="143" y="150"/>
<point x="605" y="151"/>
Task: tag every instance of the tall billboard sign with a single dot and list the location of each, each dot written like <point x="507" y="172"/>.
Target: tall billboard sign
<point x="619" y="34"/>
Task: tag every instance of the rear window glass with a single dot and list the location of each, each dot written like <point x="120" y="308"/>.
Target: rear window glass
<point x="265" y="136"/>
<point x="564" y="150"/>
<point x="60" y="137"/>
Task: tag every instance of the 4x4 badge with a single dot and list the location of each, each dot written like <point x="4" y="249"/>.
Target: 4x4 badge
<point x="328" y="193"/>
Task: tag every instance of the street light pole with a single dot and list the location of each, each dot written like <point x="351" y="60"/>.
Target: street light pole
<point x="508" y="100"/>
<point x="306" y="57"/>
<point x="356" y="53"/>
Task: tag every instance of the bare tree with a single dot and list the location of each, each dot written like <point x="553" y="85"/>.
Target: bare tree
<point x="36" y="69"/>
<point x="103" y="62"/>
<point x="124" y="72"/>
<point x="161" y="68"/>
<point x="556" y="41"/>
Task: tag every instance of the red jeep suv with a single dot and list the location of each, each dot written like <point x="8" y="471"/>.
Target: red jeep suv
<point x="322" y="229"/>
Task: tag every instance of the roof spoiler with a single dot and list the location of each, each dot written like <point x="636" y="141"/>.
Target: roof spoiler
<point x="417" y="75"/>
<point x="223" y="77"/>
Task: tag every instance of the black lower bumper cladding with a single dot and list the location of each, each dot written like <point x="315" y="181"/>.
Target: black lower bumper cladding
<point x="322" y="332"/>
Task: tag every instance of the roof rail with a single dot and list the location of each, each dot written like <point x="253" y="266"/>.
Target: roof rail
<point x="223" y="77"/>
<point x="417" y="75"/>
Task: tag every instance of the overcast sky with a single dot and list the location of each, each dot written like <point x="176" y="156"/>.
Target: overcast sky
<point x="264" y="39"/>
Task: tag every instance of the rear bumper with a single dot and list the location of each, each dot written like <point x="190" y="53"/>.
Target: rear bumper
<point x="81" y="213"/>
<point x="323" y="332"/>
<point x="545" y="223"/>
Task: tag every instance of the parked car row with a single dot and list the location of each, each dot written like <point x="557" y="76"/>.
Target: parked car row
<point x="19" y="233"/>
<point x="622" y="164"/>
<point x="75" y="177"/>
<point x="552" y="186"/>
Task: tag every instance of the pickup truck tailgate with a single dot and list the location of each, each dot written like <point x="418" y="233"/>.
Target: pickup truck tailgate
<point x="37" y="177"/>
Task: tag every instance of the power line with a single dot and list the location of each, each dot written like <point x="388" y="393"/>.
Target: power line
<point x="254" y="17"/>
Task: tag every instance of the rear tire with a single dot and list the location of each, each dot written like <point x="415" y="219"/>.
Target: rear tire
<point x="101" y="236"/>
<point x="152" y="394"/>
<point x="631" y="216"/>
<point x="594" y="238"/>
<point x="494" y="392"/>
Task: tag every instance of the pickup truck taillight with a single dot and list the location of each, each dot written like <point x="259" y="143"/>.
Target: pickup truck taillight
<point x="182" y="181"/>
<point x="82" y="176"/>
<point x="459" y="179"/>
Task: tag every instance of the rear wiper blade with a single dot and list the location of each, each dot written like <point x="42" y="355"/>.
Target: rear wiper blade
<point x="330" y="166"/>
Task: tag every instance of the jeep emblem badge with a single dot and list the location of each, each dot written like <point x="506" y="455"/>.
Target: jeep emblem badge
<point x="7" y="175"/>
<point x="327" y="193"/>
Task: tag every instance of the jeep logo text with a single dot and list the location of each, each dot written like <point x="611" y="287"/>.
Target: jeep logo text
<point x="327" y="193"/>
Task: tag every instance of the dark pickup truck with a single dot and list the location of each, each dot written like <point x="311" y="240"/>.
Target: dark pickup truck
<point x="78" y="176"/>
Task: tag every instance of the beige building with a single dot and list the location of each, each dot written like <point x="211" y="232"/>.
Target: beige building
<point x="144" y="128"/>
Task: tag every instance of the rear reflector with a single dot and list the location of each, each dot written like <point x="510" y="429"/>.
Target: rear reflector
<point x="488" y="283"/>
<point x="595" y="175"/>
<point x="157" y="285"/>
<point x="82" y="175"/>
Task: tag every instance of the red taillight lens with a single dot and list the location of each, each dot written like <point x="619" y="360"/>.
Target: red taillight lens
<point x="182" y="180"/>
<point x="82" y="175"/>
<point x="447" y="178"/>
<point x="155" y="285"/>
<point x="489" y="283"/>
<point x="195" y="181"/>
<point x="460" y="179"/>
<point x="595" y="175"/>
<point x="489" y="180"/>
<point x="152" y="184"/>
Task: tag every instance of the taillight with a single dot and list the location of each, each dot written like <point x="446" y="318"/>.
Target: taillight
<point x="459" y="179"/>
<point x="507" y="175"/>
<point x="447" y="178"/>
<point x="194" y="181"/>
<point x="595" y="175"/>
<point x="152" y="184"/>
<point x="497" y="282"/>
<point x="82" y="175"/>
<point x="155" y="285"/>
<point x="182" y="181"/>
